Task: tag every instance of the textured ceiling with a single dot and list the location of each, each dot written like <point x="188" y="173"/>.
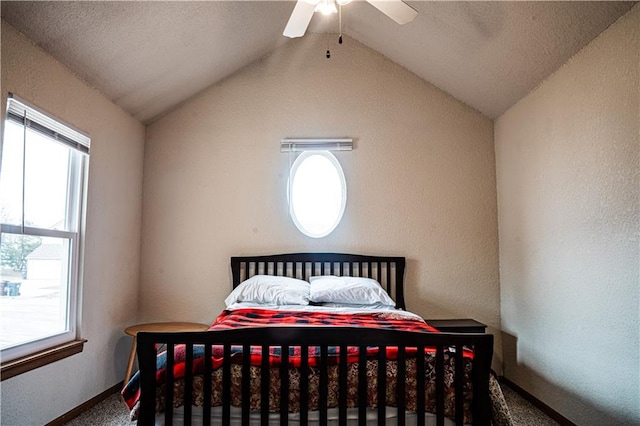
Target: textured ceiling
<point x="148" y="57"/>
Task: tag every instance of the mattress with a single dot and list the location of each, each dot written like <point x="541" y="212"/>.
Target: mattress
<point x="246" y="314"/>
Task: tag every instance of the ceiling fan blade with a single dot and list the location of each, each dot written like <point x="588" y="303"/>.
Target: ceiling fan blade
<point x="397" y="10"/>
<point x="299" y="20"/>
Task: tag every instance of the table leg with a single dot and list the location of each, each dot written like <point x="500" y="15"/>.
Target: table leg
<point x="132" y="357"/>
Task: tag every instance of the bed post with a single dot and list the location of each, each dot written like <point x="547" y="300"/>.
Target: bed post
<point x="400" y="266"/>
<point x="481" y="403"/>
<point x="147" y="363"/>
<point x="235" y="271"/>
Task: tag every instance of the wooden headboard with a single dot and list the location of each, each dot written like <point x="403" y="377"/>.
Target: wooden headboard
<point x="388" y="271"/>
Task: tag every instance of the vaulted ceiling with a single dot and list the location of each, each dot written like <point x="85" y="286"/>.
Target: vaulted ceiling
<point x="148" y="56"/>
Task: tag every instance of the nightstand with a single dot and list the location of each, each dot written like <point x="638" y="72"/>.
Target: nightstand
<point x="466" y="325"/>
<point x="156" y="327"/>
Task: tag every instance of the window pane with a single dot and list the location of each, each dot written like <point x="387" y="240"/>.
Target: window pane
<point x="50" y="192"/>
<point x="11" y="181"/>
<point x="34" y="281"/>
<point x="46" y="182"/>
<point x="318" y="193"/>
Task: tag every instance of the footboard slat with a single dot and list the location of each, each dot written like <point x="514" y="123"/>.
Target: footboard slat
<point x="382" y="385"/>
<point x="322" y="403"/>
<point x="376" y="340"/>
<point x="226" y="385"/>
<point x="168" y="400"/>
<point x="284" y="385"/>
<point x="420" y="385"/>
<point x="304" y="384"/>
<point x="362" y="385"/>
<point x="440" y="385"/>
<point x="459" y="387"/>
<point x="206" y="412"/>
<point x="342" y="387"/>
<point x="188" y="383"/>
<point x="264" y="387"/>
<point x="246" y="383"/>
<point x="400" y="385"/>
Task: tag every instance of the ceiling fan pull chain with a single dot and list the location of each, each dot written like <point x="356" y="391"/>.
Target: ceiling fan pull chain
<point x="328" y="39"/>
<point x="340" y="20"/>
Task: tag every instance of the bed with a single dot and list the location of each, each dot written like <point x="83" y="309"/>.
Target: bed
<point x="287" y="362"/>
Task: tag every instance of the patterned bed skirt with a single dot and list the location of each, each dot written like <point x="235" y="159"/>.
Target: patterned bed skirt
<point x="500" y="410"/>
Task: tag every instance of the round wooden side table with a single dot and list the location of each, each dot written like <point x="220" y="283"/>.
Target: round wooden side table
<point x="156" y="327"/>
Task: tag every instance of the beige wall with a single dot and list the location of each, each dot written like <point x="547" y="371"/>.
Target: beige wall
<point x="420" y="181"/>
<point x="569" y="213"/>
<point x="421" y="184"/>
<point x="112" y="252"/>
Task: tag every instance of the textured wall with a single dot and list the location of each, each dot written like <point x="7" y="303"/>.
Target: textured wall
<point x="420" y="181"/>
<point x="567" y="159"/>
<point x="112" y="253"/>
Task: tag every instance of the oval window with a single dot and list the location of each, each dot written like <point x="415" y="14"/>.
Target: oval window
<point x="318" y="193"/>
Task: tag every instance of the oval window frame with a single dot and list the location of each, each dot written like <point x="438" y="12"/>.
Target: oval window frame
<point x="343" y="185"/>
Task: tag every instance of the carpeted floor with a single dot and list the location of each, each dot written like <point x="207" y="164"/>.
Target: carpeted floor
<point x="110" y="412"/>
<point x="522" y="411"/>
<point x="113" y="412"/>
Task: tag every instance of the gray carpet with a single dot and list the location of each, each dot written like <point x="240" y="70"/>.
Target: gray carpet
<point x="522" y="411"/>
<point x="110" y="412"/>
<point x="113" y="412"/>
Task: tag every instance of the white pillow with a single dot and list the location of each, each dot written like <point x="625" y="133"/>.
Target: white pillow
<point x="348" y="290"/>
<point x="270" y="290"/>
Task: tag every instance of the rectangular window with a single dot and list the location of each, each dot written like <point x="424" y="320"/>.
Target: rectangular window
<point x="42" y="188"/>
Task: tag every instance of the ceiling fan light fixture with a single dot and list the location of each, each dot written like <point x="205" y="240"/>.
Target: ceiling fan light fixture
<point x="303" y="12"/>
<point x="327" y="7"/>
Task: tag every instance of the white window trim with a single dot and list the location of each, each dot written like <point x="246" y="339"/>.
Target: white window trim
<point x="80" y="141"/>
<point x="343" y="183"/>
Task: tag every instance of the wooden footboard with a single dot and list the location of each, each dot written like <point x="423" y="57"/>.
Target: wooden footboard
<point x="429" y="353"/>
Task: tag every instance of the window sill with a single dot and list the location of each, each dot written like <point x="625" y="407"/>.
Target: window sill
<point x="31" y="362"/>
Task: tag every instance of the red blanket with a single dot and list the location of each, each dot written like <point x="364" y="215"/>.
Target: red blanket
<point x="265" y="318"/>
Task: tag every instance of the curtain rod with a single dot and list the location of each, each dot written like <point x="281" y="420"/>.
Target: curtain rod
<point x="298" y="145"/>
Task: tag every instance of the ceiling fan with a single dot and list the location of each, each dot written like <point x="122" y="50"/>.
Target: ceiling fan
<point x="302" y="13"/>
